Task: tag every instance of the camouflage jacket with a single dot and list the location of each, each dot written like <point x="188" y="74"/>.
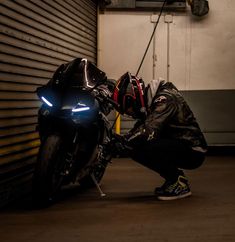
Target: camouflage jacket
<point x="169" y="117"/>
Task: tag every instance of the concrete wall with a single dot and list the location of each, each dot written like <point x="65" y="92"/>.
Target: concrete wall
<point x="201" y="49"/>
<point x="201" y="58"/>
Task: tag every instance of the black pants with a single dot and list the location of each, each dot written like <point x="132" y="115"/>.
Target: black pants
<point x="168" y="156"/>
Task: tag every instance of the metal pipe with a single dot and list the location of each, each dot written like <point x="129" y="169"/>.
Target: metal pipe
<point x="154" y="19"/>
<point x="118" y="123"/>
<point x="154" y="57"/>
<point x="168" y="51"/>
<point x="168" y="20"/>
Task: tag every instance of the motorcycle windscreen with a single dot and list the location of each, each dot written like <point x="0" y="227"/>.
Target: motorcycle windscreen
<point x="86" y="74"/>
<point x="78" y="73"/>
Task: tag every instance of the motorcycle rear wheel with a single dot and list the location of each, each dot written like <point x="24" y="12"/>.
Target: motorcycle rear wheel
<point x="48" y="174"/>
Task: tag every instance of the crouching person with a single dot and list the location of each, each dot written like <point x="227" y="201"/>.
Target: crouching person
<point x="166" y="137"/>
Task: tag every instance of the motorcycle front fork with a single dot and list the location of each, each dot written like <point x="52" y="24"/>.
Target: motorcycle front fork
<point x="70" y="162"/>
<point x="70" y="157"/>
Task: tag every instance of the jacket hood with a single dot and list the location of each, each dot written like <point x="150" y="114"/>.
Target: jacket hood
<point x="152" y="89"/>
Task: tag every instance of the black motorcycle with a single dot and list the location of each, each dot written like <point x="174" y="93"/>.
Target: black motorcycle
<point x="73" y="129"/>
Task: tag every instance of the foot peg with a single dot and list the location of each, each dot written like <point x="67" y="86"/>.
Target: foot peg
<point x="102" y="194"/>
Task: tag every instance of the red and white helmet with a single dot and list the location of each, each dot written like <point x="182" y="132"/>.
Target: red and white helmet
<point x="129" y="93"/>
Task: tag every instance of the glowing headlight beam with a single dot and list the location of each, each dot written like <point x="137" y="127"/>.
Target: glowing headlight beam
<point x="46" y="101"/>
<point x="75" y="110"/>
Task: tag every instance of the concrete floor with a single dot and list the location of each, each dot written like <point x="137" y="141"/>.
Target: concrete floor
<point x="130" y="212"/>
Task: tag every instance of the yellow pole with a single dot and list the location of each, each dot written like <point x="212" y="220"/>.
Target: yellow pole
<point x="118" y="123"/>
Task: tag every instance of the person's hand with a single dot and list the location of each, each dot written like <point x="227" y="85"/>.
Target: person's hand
<point x="118" y="138"/>
<point x="118" y="145"/>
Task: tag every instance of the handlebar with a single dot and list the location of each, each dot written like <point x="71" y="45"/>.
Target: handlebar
<point x="103" y="96"/>
<point x="116" y="105"/>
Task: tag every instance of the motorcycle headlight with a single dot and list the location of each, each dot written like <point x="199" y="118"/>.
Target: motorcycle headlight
<point x="45" y="100"/>
<point x="80" y="108"/>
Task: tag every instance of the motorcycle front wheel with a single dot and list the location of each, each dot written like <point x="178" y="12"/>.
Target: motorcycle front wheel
<point x="48" y="174"/>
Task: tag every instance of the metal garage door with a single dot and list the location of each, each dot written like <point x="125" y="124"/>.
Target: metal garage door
<point x="36" y="36"/>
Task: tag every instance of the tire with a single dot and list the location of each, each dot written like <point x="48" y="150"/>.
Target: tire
<point x="48" y="176"/>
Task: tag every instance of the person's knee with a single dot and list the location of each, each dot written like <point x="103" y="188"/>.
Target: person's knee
<point x="195" y="162"/>
<point x="136" y="155"/>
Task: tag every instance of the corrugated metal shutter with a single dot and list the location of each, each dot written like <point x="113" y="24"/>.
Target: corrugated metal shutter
<point x="36" y="37"/>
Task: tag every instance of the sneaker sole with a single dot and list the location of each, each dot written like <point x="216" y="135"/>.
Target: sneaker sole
<point x="166" y="198"/>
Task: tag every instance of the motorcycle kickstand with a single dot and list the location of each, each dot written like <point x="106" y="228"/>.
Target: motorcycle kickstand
<point x="102" y="194"/>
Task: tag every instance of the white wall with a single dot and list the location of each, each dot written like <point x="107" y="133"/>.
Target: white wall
<point x="202" y="50"/>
